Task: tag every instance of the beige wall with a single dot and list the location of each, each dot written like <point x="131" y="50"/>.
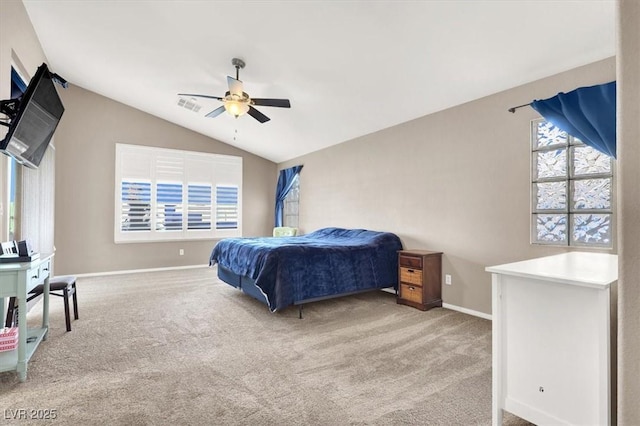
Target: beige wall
<point x="629" y="212"/>
<point x="456" y="181"/>
<point x="85" y="186"/>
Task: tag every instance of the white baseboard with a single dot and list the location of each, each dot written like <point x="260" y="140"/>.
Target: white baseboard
<point x="452" y="307"/>
<point x="137" y="271"/>
<point x="467" y="311"/>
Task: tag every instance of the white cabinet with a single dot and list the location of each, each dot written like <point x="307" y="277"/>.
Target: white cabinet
<point x="552" y="338"/>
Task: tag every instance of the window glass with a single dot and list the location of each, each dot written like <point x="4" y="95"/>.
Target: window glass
<point x="136" y="206"/>
<point x="292" y="205"/>
<point x="572" y="190"/>
<point x="168" y="206"/>
<point x="199" y="206"/>
<point x="12" y="182"/>
<point x="18" y="87"/>
<point x="226" y="207"/>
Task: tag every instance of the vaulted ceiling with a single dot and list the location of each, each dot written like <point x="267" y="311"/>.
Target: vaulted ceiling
<point x="350" y="68"/>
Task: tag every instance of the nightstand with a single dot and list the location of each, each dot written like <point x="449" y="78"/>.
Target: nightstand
<point x="419" y="278"/>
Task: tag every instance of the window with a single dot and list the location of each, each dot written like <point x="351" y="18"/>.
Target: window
<point x="292" y="204"/>
<point x="135" y="205"/>
<point x="166" y="194"/>
<point x="572" y="190"/>
<point x="226" y="207"/>
<point x="13" y="200"/>
<point x="200" y="206"/>
<point x="18" y="87"/>
<point x="169" y="206"/>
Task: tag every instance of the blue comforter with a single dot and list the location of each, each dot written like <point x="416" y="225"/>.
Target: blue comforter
<point x="329" y="261"/>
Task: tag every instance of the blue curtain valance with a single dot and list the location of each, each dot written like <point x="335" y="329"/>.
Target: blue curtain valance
<point x="587" y="113"/>
<point x="285" y="182"/>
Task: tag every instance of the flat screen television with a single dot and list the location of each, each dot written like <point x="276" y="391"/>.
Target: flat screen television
<point x="34" y="120"/>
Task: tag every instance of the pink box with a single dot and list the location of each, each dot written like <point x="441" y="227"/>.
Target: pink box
<point x="8" y="339"/>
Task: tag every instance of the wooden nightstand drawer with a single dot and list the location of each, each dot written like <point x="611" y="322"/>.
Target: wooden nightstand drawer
<point x="411" y="276"/>
<point x="410" y="292"/>
<point x="410" y="261"/>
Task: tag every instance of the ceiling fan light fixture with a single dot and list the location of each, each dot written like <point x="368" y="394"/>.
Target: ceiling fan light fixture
<point x="237" y="102"/>
<point x="236" y="108"/>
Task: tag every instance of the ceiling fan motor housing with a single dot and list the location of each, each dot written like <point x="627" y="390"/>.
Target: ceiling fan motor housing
<point x="238" y="63"/>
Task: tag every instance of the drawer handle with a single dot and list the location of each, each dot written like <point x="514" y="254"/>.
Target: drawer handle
<point x="410" y="271"/>
<point x="411" y="288"/>
<point x="46" y="269"/>
<point x="34" y="277"/>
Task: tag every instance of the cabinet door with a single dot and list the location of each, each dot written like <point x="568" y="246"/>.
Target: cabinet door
<point x="552" y="338"/>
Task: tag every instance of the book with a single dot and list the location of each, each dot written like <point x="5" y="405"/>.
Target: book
<point x="12" y="312"/>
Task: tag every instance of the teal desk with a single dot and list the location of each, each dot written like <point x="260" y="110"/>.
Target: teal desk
<point x="17" y="279"/>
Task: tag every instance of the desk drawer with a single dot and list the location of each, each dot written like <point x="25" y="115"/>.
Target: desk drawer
<point x="45" y="270"/>
<point x="33" y="278"/>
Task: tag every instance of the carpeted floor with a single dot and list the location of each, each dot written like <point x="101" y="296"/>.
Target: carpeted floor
<point x="181" y="347"/>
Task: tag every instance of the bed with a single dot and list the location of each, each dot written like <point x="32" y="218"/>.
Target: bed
<point x="327" y="263"/>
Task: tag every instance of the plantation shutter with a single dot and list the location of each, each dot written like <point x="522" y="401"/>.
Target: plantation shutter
<point x="134" y="196"/>
<point x="169" y="175"/>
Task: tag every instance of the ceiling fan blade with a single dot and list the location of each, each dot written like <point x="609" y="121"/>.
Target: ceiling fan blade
<point x="282" y="103"/>
<point x="200" y="96"/>
<point x="235" y="86"/>
<point x="216" y="112"/>
<point x="257" y="115"/>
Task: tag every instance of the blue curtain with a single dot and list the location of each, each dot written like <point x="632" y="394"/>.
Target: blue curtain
<point x="587" y="113"/>
<point x="18" y="86"/>
<point x="285" y="181"/>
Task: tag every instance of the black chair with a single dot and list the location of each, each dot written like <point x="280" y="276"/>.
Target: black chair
<point x="63" y="286"/>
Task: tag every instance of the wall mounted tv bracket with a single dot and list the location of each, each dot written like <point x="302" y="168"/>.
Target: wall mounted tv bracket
<point x="57" y="79"/>
<point x="10" y="106"/>
<point x="10" y="109"/>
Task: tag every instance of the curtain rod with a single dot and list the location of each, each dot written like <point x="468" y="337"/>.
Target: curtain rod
<point x="513" y="109"/>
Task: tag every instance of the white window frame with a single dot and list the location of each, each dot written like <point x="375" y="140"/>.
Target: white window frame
<point x="570" y="179"/>
<point x="162" y="165"/>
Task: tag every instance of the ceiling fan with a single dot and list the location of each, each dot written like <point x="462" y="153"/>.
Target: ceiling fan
<point x="237" y="102"/>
